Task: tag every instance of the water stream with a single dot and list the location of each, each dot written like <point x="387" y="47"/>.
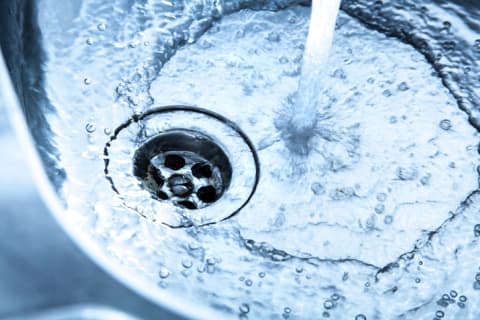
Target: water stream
<point x="380" y="221"/>
<point x="307" y="109"/>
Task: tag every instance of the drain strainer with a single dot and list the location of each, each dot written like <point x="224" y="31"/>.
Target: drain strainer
<point x="190" y="166"/>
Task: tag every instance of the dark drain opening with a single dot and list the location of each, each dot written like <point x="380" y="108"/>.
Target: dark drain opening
<point x="188" y="157"/>
<point x="184" y="167"/>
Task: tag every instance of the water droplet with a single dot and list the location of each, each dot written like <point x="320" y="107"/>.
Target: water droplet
<point x="387" y="93"/>
<point x="187" y="263"/>
<point x="248" y="282"/>
<point x="418" y="280"/>
<point x="380" y="208"/>
<point x="287" y="310"/>
<point x="381" y="197"/>
<point x="461" y="305"/>
<point x="101" y="26"/>
<point x="453" y="293"/>
<point x="90" y="127"/>
<point x="445" y="124"/>
<point x="328" y="304"/>
<point x="476" y="230"/>
<point x="164" y="273"/>
<point x="261" y="274"/>
<point x="244" y="308"/>
<point x="403" y="86"/>
<point x="273" y="37"/>
<point x="360" y="317"/>
<point x="299" y="269"/>
<point x="89" y="41"/>
<point x="335" y="297"/>
<point x="439" y="314"/>
<point x="325" y="314"/>
<point x="388" y="219"/>
<point x="283" y="60"/>
<point x="107" y="131"/>
<point x="393" y="119"/>
<point x="462" y="298"/>
<point x="87" y="81"/>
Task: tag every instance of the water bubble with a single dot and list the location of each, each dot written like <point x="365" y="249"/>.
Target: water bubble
<point x="325" y="314"/>
<point x="418" y="280"/>
<point x="403" y="86"/>
<point x="380" y="208"/>
<point x="339" y="74"/>
<point x="89" y="41"/>
<point x="164" y="273"/>
<point x="283" y="60"/>
<point x="381" y="197"/>
<point x="261" y="274"/>
<point x="287" y="310"/>
<point x="299" y="269"/>
<point x="244" y="308"/>
<point x="317" y="188"/>
<point x="248" y="282"/>
<point x="90" y="127"/>
<point x="87" y="81"/>
<point x="187" y="263"/>
<point x="462" y="298"/>
<point x="101" y="26"/>
<point x="477" y="277"/>
<point x="335" y="297"/>
<point x="393" y="119"/>
<point x="476" y="230"/>
<point x="388" y="219"/>
<point x="360" y="317"/>
<point x="273" y="37"/>
<point x="445" y="124"/>
<point x="439" y="314"/>
<point x="406" y="174"/>
<point x="387" y="93"/>
<point x="107" y="131"/>
<point x="461" y="305"/>
<point x="453" y="293"/>
<point x="328" y="304"/>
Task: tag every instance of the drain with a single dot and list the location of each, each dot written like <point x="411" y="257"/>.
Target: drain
<point x="184" y="167"/>
<point x="190" y="166"/>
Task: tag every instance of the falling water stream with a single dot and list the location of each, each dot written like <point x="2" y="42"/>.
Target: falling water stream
<point x="300" y="127"/>
<point x="379" y="221"/>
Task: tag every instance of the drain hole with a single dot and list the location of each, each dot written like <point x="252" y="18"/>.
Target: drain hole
<point x="187" y="204"/>
<point x="202" y="170"/>
<point x="184" y="167"/>
<point x="207" y="194"/>
<point x="174" y="162"/>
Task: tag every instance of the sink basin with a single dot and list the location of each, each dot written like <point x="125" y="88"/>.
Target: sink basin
<point x="157" y="135"/>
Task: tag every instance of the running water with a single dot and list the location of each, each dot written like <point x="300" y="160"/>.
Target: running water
<point x="304" y="112"/>
<point x="383" y="224"/>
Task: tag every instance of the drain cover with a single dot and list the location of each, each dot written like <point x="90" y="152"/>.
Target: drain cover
<point x="190" y="166"/>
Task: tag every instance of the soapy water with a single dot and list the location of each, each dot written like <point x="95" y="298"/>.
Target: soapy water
<point x="378" y="222"/>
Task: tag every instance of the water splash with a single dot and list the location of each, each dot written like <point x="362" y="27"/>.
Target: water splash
<point x="307" y="109"/>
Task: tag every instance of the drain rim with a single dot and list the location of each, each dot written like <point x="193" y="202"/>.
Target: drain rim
<point x="137" y="118"/>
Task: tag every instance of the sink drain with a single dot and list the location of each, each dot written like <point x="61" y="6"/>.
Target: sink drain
<point x="190" y="166"/>
<point x="184" y="167"/>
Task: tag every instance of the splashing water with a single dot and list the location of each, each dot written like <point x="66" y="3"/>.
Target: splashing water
<point x="382" y="222"/>
<point x="307" y="109"/>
